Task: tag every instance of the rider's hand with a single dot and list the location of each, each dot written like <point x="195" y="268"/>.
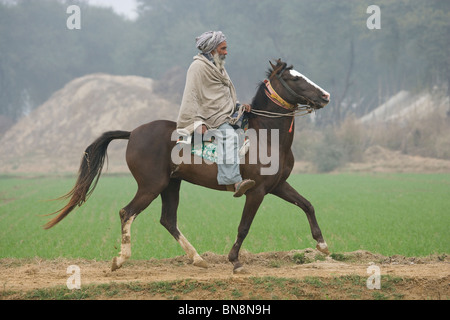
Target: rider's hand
<point x="247" y="107"/>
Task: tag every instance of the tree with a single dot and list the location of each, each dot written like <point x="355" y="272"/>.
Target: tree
<point x="326" y="40"/>
<point x="38" y="54"/>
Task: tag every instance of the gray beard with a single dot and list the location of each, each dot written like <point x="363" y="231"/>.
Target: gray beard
<point x="219" y="61"/>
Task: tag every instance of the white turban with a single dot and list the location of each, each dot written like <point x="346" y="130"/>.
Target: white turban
<point x="210" y="40"/>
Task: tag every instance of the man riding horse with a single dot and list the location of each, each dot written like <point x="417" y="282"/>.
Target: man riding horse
<point x="209" y="101"/>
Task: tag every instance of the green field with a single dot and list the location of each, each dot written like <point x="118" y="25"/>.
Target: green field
<point x="405" y="214"/>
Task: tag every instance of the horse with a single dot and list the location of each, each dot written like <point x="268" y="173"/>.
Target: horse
<point x="148" y="155"/>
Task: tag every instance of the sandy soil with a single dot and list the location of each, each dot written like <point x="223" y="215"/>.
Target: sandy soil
<point x="275" y="275"/>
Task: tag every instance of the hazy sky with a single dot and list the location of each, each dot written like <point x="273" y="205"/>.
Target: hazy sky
<point x="123" y="7"/>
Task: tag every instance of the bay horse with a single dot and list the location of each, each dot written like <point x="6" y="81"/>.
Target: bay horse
<point x="148" y="156"/>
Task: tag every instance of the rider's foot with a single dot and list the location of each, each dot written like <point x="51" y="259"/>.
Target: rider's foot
<point x="242" y="187"/>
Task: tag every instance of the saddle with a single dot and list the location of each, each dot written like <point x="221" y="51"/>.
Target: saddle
<point x="207" y="149"/>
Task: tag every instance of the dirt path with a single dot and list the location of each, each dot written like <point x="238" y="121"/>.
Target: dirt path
<point x="278" y="275"/>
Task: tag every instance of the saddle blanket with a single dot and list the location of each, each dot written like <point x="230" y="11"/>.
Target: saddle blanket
<point x="208" y="149"/>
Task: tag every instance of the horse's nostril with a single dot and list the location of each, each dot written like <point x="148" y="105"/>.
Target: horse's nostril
<point x="326" y="96"/>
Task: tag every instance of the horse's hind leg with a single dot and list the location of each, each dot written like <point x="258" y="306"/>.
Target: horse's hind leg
<point x="127" y="215"/>
<point x="170" y="199"/>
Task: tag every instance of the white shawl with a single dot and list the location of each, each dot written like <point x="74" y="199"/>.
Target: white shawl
<point x="209" y="96"/>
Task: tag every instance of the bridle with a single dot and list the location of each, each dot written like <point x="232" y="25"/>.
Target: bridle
<point x="295" y="109"/>
<point x="289" y="89"/>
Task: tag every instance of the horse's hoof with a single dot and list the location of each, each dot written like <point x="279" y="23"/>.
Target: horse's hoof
<point x="200" y="263"/>
<point x="240" y="270"/>
<point x="114" y="265"/>
<point x="322" y="247"/>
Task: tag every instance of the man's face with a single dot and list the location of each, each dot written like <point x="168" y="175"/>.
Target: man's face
<point x="222" y="49"/>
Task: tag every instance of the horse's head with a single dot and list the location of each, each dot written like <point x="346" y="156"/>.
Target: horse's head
<point x="296" y="88"/>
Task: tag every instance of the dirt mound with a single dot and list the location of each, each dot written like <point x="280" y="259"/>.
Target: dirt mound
<point x="53" y="137"/>
<point x="382" y="160"/>
<point x="298" y="274"/>
<point x="379" y="159"/>
<point x="405" y="105"/>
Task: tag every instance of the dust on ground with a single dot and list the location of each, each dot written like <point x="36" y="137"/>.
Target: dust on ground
<point x="298" y="274"/>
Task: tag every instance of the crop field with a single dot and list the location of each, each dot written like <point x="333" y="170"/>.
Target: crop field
<point x="399" y="222"/>
<point x="389" y="214"/>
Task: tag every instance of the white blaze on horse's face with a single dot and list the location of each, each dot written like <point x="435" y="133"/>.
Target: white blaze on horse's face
<point x="325" y="94"/>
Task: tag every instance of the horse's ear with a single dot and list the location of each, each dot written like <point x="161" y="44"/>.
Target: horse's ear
<point x="272" y="65"/>
<point x="280" y="66"/>
<point x="278" y="63"/>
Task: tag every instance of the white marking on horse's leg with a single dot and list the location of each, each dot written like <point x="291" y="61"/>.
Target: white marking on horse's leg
<point x="191" y="252"/>
<point x="125" y="247"/>
<point x="323" y="247"/>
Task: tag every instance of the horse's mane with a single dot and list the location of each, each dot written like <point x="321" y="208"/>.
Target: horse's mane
<point x="260" y="98"/>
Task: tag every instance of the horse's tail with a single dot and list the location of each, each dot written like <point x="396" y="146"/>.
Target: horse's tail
<point x="90" y="170"/>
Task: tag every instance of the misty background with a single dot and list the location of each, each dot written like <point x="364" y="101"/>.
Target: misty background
<point x="326" y="40"/>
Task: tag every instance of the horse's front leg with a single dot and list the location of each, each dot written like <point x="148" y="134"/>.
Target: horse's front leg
<point x="286" y="192"/>
<point x="252" y="203"/>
